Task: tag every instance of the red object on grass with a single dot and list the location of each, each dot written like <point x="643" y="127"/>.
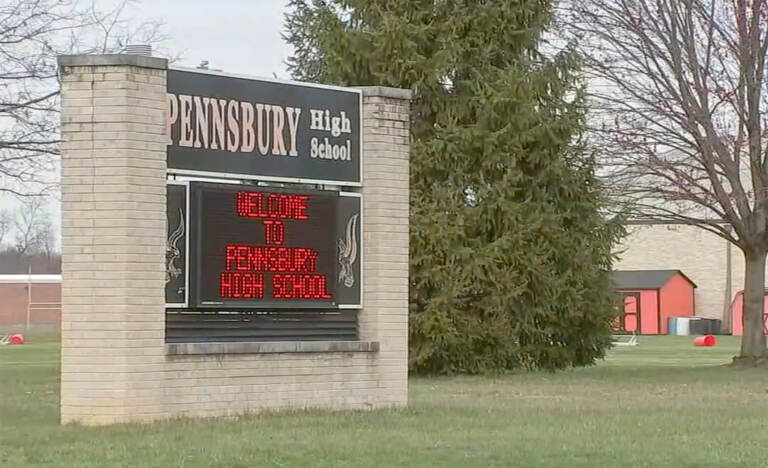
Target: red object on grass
<point x="706" y="340"/>
<point x="18" y="338"/>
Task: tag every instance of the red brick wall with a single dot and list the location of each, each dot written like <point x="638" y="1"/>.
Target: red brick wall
<point x="13" y="304"/>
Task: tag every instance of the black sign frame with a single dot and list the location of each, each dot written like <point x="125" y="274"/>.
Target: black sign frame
<point x="350" y="202"/>
<point x="222" y="164"/>
<point x="177" y="244"/>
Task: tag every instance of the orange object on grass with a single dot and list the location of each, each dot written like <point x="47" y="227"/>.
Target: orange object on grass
<point x="706" y="340"/>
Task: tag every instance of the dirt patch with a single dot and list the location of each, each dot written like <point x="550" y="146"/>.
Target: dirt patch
<point x="750" y="362"/>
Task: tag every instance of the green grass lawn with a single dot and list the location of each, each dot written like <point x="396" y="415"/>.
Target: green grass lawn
<point x="662" y="403"/>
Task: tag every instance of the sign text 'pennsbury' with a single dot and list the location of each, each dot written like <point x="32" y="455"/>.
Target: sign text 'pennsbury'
<point x="247" y="128"/>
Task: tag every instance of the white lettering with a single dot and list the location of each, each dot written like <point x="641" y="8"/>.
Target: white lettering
<point x="234" y="131"/>
<point x="317" y="119"/>
<point x="278" y="122"/>
<point x="346" y="124"/>
<point x="243" y="126"/>
<point x="173" y="115"/>
<point x="313" y="148"/>
<point x="262" y="123"/>
<point x="185" y="132"/>
<point x="217" y="109"/>
<point x="249" y="138"/>
<point x="201" y="121"/>
<point x="293" y="126"/>
<point x="324" y="149"/>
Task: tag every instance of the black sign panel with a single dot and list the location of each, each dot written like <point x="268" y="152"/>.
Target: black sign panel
<point x="268" y="248"/>
<point x="176" y="245"/>
<point x="349" y="253"/>
<point x="247" y="128"/>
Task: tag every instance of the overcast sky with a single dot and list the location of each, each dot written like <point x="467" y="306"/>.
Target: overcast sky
<point x="236" y="36"/>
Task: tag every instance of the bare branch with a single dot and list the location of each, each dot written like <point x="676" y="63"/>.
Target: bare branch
<point x="32" y="34"/>
<point x="6" y="221"/>
<point x="677" y="97"/>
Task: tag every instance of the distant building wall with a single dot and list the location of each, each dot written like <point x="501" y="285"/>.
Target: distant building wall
<point x="14" y="295"/>
<point x="711" y="262"/>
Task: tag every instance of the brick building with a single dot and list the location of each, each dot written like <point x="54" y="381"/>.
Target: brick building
<point x="36" y="295"/>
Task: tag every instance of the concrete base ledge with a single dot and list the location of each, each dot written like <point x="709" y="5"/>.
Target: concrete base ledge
<point x="179" y="349"/>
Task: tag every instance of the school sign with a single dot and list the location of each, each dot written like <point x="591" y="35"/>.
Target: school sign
<point x="230" y="244"/>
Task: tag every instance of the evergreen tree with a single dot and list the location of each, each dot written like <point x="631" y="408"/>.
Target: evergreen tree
<point x="510" y="254"/>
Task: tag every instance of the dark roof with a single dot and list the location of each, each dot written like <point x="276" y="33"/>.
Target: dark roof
<point x="645" y="279"/>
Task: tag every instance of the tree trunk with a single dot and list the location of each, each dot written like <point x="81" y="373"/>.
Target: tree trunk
<point x="753" y="340"/>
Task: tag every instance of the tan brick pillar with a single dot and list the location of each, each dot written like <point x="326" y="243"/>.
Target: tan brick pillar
<point x="386" y="143"/>
<point x="113" y="237"/>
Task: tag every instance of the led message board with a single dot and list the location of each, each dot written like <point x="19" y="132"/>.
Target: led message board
<point x="269" y="248"/>
<point x="246" y="128"/>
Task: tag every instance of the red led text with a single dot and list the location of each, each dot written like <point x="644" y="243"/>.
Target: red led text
<point x="280" y="259"/>
<point x="272" y="205"/>
<point x="234" y="285"/>
<point x="274" y="232"/>
<point x="287" y="273"/>
<point x="299" y="287"/>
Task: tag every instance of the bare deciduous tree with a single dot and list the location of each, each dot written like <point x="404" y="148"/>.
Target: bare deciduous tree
<point x="32" y="34"/>
<point x="34" y="229"/>
<point x="6" y="221"/>
<point x="679" y="98"/>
